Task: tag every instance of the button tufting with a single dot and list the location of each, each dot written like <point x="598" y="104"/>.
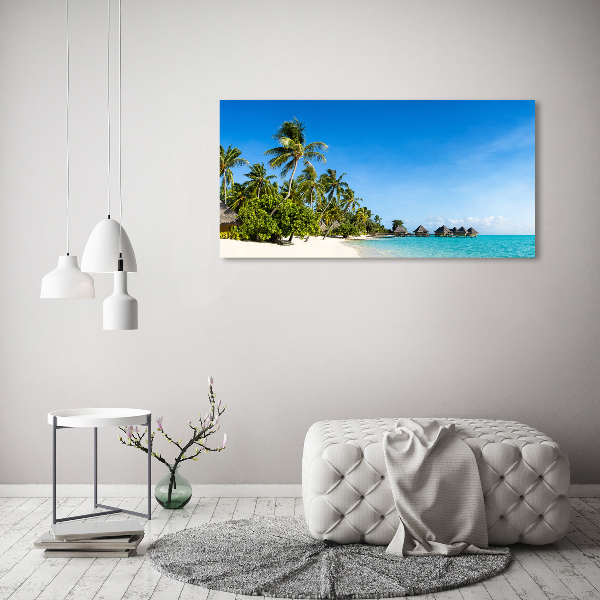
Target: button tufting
<point x="481" y="435"/>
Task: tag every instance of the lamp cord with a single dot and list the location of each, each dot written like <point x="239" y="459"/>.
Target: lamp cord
<point x="108" y="105"/>
<point x="67" y="122"/>
<point x="120" y="193"/>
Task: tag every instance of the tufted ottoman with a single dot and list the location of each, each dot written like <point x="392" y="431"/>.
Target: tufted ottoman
<point x="347" y="498"/>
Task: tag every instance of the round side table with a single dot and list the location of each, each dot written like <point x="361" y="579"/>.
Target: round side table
<point x="99" y="417"/>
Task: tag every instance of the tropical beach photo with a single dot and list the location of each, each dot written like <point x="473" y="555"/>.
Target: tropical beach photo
<point x="377" y="179"/>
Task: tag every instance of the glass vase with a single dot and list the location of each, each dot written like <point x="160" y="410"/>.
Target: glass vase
<point x="173" y="490"/>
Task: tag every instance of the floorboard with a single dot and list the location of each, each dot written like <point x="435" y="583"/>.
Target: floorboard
<point x="566" y="570"/>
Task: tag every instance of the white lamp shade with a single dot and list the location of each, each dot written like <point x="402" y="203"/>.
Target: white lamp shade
<point x="67" y="281"/>
<point x="120" y="310"/>
<point x="102" y="249"/>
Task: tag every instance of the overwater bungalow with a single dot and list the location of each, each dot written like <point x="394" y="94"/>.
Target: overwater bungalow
<point x="471" y="232"/>
<point x="400" y="231"/>
<point x="461" y="232"/>
<point x="420" y="231"/>
<point x="229" y="218"/>
<point x="452" y="231"/>
<point x="442" y="231"/>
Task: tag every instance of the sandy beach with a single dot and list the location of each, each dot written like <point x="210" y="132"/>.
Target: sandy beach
<point x="313" y="248"/>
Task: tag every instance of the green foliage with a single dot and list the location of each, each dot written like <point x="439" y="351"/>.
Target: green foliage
<point x="346" y="229"/>
<point x="297" y="219"/>
<point x="232" y="234"/>
<point x="373" y="227"/>
<point x="257" y="223"/>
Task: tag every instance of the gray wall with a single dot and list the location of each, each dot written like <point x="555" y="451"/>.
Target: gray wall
<point x="289" y="343"/>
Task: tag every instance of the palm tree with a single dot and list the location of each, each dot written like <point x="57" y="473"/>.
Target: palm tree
<point x="258" y="179"/>
<point x="310" y="186"/>
<point x="291" y="150"/>
<point x="228" y="159"/>
<point x="239" y="196"/>
<point x="292" y="191"/>
<point x="334" y="186"/>
<point x="349" y="203"/>
<point x="362" y="217"/>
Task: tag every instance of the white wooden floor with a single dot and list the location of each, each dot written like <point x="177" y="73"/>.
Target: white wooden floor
<point x="567" y="569"/>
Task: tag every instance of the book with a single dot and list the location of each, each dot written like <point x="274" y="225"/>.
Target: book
<point x="49" y="542"/>
<point x="88" y="553"/>
<point x="71" y="530"/>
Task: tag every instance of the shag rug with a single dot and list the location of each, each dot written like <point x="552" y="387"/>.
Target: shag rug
<point x="277" y="557"/>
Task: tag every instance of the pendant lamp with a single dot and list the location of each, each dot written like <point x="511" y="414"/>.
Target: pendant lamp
<point x="67" y="280"/>
<point x="103" y="246"/>
<point x="120" y="310"/>
<point x="108" y="239"/>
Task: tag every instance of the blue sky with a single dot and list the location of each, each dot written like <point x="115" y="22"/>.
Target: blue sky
<point x="426" y="162"/>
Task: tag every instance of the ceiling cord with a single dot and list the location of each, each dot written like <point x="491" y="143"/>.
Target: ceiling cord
<point x="108" y="104"/>
<point x="120" y="193"/>
<point x="67" y="123"/>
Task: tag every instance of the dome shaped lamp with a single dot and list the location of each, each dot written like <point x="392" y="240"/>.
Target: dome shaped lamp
<point x="67" y="280"/>
<point x="103" y="246"/>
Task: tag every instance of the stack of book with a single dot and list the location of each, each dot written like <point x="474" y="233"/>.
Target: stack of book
<point x="114" y="539"/>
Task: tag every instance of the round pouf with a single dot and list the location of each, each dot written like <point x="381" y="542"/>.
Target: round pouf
<point x="277" y="557"/>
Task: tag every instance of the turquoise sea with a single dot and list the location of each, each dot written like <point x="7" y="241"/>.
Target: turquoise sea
<point x="483" y="246"/>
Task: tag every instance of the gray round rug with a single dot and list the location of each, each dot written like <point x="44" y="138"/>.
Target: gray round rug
<point x="277" y="557"/>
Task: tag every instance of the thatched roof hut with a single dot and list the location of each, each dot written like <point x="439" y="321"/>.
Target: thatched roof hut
<point x="401" y="231"/>
<point x="421" y="231"/>
<point x="461" y="231"/>
<point x="471" y="232"/>
<point x="442" y="231"/>
<point x="453" y="231"/>
<point x="229" y="218"/>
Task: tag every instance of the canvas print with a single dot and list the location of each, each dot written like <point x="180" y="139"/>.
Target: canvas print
<point x="377" y="179"/>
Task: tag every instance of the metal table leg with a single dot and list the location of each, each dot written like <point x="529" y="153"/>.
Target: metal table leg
<point x="111" y="509"/>
<point x="149" y="434"/>
<point x="95" y="467"/>
<point x="54" y="470"/>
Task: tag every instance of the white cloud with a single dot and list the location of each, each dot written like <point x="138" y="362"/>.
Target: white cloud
<point x="435" y="221"/>
<point x="492" y="221"/>
<point x="500" y="225"/>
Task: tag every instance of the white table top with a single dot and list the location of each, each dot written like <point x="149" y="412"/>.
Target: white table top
<point x="99" y="417"/>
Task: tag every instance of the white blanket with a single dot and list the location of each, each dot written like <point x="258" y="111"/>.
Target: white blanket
<point x="437" y="490"/>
